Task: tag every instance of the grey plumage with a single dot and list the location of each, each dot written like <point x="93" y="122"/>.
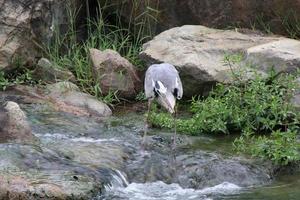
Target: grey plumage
<point x="163" y="81"/>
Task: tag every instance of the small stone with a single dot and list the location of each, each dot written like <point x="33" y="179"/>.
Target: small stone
<point x="14" y="125"/>
<point x="51" y="73"/>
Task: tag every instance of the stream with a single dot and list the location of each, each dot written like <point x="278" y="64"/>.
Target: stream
<point x="109" y="150"/>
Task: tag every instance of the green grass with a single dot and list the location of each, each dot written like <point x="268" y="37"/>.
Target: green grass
<point x="290" y="23"/>
<point x="67" y="52"/>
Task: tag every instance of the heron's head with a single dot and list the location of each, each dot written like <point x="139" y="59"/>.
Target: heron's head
<point x="168" y="101"/>
<point x="164" y="96"/>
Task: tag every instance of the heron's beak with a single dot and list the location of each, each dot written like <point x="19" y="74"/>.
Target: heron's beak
<point x="168" y="101"/>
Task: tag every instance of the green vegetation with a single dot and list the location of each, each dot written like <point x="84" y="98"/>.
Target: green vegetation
<point x="20" y="76"/>
<point x="259" y="109"/>
<point x="290" y="23"/>
<point x="67" y="52"/>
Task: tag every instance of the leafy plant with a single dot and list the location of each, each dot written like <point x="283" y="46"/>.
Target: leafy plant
<point x="20" y="76"/>
<point x="4" y="82"/>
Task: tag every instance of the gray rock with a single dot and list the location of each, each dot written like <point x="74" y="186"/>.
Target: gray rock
<point x="25" y="23"/>
<point x="30" y="172"/>
<point x="198" y="53"/>
<point x="67" y="97"/>
<point x="296" y="98"/>
<point x="115" y="73"/>
<point x="282" y="56"/>
<point x="200" y="169"/>
<point x="51" y="73"/>
<point x="14" y="125"/>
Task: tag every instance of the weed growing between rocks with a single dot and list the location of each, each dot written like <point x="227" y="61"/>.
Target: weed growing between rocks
<point x="289" y="20"/>
<point x="67" y="52"/>
<point x="259" y="109"/>
<point x="20" y="75"/>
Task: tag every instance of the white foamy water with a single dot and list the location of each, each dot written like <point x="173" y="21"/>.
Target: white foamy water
<point x="59" y="136"/>
<point x="162" y="191"/>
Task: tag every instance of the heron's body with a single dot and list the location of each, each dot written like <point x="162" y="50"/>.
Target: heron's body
<point x="162" y="82"/>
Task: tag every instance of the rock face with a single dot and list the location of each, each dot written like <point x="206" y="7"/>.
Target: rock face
<point x="51" y="73"/>
<point x="114" y="73"/>
<point x="198" y="53"/>
<point x="23" y="24"/>
<point x="14" y="126"/>
<point x="282" y="55"/>
<point x="213" y="13"/>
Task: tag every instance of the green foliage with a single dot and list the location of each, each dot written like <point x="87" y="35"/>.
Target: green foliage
<point x="260" y="109"/>
<point x="291" y="23"/>
<point x="20" y="76"/>
<point x="4" y="82"/>
<point x="67" y="52"/>
<point x="281" y="147"/>
<point x="289" y="19"/>
<point x="140" y="96"/>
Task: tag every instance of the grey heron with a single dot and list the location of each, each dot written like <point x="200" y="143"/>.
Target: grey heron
<point x="162" y="82"/>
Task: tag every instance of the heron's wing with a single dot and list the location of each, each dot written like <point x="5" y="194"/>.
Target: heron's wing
<point x="167" y="75"/>
<point x="179" y="88"/>
<point x="148" y="84"/>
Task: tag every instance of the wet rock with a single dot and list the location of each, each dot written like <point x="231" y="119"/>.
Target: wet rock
<point x="198" y="53"/>
<point x="90" y="152"/>
<point x="115" y="73"/>
<point x="67" y="97"/>
<point x="194" y="168"/>
<point x="28" y="172"/>
<point x="199" y="170"/>
<point x="51" y="73"/>
<point x="14" y="125"/>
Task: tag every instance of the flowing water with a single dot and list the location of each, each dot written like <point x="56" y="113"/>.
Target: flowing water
<point x="64" y="133"/>
<point x="286" y="187"/>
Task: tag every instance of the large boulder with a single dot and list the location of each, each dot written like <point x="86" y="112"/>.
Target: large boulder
<point x="115" y="73"/>
<point x="14" y="126"/>
<point x="211" y="13"/>
<point x="25" y="23"/>
<point x="198" y="53"/>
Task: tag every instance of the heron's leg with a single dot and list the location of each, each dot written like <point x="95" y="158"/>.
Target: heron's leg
<point x="173" y="145"/>
<point x="146" y="123"/>
<point x="175" y="130"/>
